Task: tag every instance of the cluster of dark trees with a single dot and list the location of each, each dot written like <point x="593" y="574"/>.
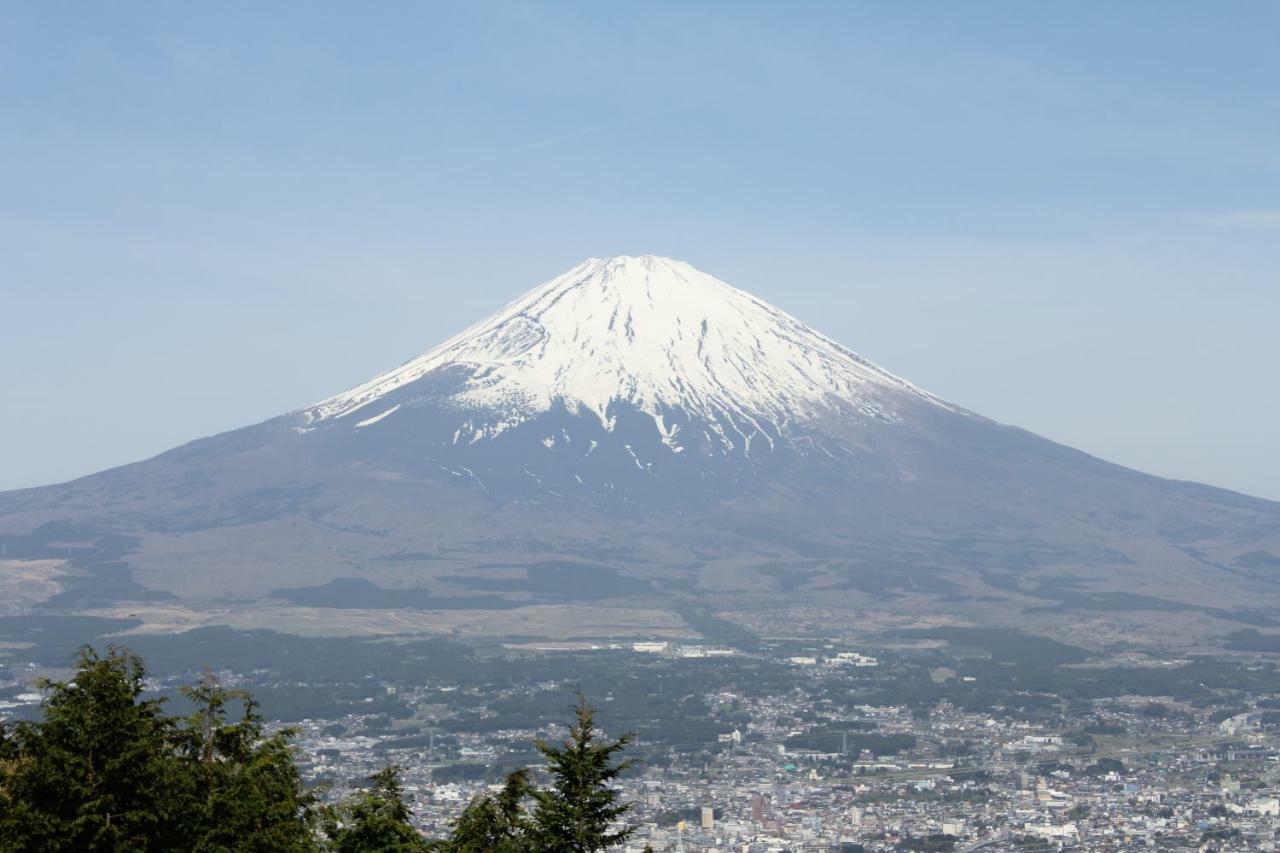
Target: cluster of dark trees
<point x="106" y="769"/>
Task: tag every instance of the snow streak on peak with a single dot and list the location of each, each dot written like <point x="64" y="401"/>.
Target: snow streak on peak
<point x="652" y="332"/>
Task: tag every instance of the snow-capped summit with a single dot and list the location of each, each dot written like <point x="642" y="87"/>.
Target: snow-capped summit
<point x="647" y="332"/>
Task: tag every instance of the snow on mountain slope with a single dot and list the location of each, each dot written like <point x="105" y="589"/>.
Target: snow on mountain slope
<point x="646" y="331"/>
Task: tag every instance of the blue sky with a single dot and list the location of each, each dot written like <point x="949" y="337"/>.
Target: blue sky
<point x="1064" y="216"/>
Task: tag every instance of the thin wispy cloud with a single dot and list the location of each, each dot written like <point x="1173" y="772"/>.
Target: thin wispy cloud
<point x="1262" y="218"/>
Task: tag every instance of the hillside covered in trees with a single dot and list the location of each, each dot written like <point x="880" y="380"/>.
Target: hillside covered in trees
<point x="107" y="769"/>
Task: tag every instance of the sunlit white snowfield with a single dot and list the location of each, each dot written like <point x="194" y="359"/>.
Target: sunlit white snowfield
<point x="649" y="332"/>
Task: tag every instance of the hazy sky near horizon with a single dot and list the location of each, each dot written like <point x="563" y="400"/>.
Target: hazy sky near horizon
<point x="1063" y="216"/>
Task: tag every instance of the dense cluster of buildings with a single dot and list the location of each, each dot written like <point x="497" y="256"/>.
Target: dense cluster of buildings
<point x="970" y="780"/>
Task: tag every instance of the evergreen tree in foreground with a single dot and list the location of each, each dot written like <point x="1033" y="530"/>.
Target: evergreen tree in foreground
<point x="581" y="811"/>
<point x="375" y="820"/>
<point x="96" y="774"/>
<point x="107" y="770"/>
<point x="494" y="823"/>
<point x="246" y="792"/>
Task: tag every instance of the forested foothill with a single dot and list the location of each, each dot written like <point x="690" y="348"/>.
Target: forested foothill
<point x="107" y="768"/>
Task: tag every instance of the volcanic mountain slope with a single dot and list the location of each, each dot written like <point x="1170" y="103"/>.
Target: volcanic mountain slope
<point x="637" y="420"/>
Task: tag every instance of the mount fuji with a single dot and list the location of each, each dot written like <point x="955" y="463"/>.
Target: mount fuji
<point x="637" y="433"/>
